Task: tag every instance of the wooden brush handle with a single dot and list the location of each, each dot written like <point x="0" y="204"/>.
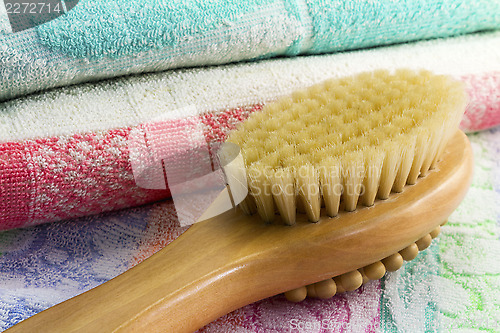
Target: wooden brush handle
<point x="232" y="260"/>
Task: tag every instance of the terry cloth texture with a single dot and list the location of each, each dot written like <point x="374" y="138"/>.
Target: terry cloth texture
<point x="453" y="286"/>
<point x="102" y="39"/>
<point x="65" y="153"/>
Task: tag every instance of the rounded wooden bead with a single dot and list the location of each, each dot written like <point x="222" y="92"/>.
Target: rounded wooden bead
<point x="375" y="271"/>
<point x="352" y="280"/>
<point x="365" y="279"/>
<point x="325" y="289"/>
<point x="410" y="252"/>
<point x="296" y="295"/>
<point x="434" y="233"/>
<point x="424" y="242"/>
<point x="311" y="291"/>
<point x="393" y="263"/>
<point x="338" y="283"/>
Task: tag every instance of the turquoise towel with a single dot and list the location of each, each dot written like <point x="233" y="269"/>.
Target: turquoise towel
<point x="101" y="39"/>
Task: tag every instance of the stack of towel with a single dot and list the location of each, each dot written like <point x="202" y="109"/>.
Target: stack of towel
<point x="64" y="141"/>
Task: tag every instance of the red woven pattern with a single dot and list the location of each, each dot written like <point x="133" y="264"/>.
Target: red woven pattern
<point x="57" y="178"/>
<point x="483" y="110"/>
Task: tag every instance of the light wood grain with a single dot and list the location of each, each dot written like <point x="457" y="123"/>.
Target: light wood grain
<point x="233" y="260"/>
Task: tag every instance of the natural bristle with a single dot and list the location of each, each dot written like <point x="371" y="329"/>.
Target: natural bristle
<point x="347" y="141"/>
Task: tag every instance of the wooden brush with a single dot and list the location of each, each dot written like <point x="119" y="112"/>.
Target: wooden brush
<point x="358" y="136"/>
<point x="345" y="145"/>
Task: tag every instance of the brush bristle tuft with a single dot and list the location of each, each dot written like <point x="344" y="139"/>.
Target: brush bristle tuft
<point x="348" y="141"/>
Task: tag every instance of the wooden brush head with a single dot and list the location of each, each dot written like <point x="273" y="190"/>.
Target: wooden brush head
<point x="346" y="141"/>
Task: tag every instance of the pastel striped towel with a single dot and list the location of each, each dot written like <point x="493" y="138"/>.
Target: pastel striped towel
<point x="451" y="287"/>
<point x="64" y="153"/>
<point x="101" y="39"/>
